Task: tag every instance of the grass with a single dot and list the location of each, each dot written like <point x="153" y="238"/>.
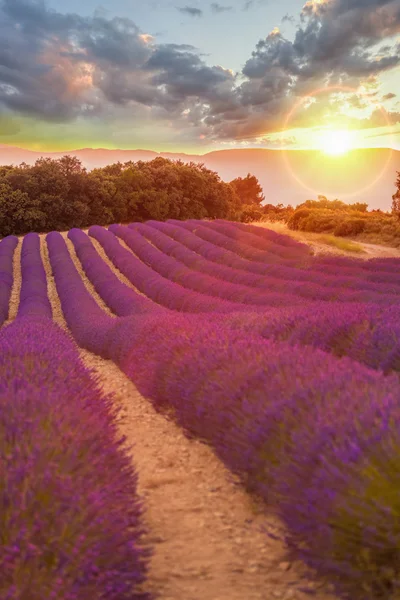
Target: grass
<point x="341" y="243"/>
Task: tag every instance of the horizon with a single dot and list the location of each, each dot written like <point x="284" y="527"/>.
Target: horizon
<point x="315" y="75"/>
<point x="251" y="148"/>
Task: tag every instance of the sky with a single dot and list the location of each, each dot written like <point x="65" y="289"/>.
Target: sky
<point x="196" y="76"/>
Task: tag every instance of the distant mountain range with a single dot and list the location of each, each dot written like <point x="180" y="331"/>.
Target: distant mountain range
<point x="287" y="177"/>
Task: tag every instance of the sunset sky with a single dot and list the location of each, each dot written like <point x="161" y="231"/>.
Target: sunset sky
<point x="198" y="76"/>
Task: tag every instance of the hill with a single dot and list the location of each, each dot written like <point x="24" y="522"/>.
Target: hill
<point x="287" y="177"/>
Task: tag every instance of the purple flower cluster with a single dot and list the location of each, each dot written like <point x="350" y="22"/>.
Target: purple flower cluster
<point x="210" y="233"/>
<point x="283" y="274"/>
<point x="289" y="377"/>
<point x="191" y="279"/>
<point x="120" y="298"/>
<point x="7" y="248"/>
<point x="87" y="321"/>
<point x="247" y="238"/>
<point x="294" y="423"/>
<point x="33" y="296"/>
<point x="70" y="517"/>
<point x="276" y="291"/>
<point x="161" y="290"/>
<point x="271" y="236"/>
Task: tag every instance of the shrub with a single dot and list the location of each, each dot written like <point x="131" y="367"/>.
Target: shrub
<point x="249" y="214"/>
<point x="7" y="248"/>
<point x="70" y="517"/>
<point x="350" y="227"/>
<point x="33" y="295"/>
<point x="297" y="217"/>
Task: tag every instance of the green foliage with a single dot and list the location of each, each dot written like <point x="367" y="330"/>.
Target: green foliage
<point x="396" y="199"/>
<point x="350" y="227"/>
<point x="277" y="212"/>
<point x="248" y="190"/>
<point x="298" y="216"/>
<point x="61" y="194"/>
<point x="336" y="205"/>
<point x="354" y="220"/>
<point x="250" y="213"/>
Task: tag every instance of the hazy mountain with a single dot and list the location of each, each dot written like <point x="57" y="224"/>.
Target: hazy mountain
<point x="287" y="177"/>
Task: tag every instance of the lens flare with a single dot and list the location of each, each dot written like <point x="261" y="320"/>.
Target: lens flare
<point x="333" y="142"/>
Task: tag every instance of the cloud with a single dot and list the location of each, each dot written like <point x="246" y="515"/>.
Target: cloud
<point x="288" y="19"/>
<point x="389" y="96"/>
<point x="218" y="8"/>
<point x="249" y="4"/>
<point x="63" y="67"/>
<point x="191" y="11"/>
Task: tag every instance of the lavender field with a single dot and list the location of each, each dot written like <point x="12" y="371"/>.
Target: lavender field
<point x="280" y="367"/>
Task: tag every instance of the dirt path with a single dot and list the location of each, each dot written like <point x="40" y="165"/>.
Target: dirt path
<point x="207" y="533"/>
<point x="319" y="247"/>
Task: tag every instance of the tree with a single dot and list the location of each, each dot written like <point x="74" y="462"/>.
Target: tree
<point x="248" y="189"/>
<point x="18" y="212"/>
<point x="396" y="198"/>
<point x="61" y="194"/>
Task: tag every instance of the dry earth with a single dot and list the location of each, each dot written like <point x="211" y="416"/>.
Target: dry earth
<point x="207" y="533"/>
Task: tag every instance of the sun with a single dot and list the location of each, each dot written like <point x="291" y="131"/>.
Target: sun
<point x="336" y="142"/>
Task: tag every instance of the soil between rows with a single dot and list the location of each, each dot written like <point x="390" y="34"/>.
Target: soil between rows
<point x="207" y="533"/>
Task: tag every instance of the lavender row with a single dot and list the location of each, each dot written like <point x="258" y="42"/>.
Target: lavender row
<point x="269" y="235"/>
<point x="159" y="289"/>
<point x="7" y="249"/>
<point x="356" y="268"/>
<point x="245" y="238"/>
<point x="316" y="284"/>
<point x="327" y="265"/>
<point x="176" y="271"/>
<point x="272" y="399"/>
<point x="257" y="402"/>
<point x="206" y="232"/>
<point x="120" y="298"/>
<point x="85" y="318"/>
<point x="366" y="333"/>
<point x="33" y="296"/>
<point x="375" y="266"/>
<point x="70" y="514"/>
<point x="378" y="269"/>
<point x="264" y="283"/>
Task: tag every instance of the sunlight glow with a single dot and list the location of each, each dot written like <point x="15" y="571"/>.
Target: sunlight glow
<point x="336" y="142"/>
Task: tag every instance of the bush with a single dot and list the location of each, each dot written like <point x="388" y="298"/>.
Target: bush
<point x="297" y="217"/>
<point x="350" y="227"/>
<point x="70" y="517"/>
<point x="249" y="214"/>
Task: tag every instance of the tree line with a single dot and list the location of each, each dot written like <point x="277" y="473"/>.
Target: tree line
<point x="61" y="194"/>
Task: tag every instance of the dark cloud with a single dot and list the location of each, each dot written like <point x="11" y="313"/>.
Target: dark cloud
<point x="59" y="67"/>
<point x="191" y="11"/>
<point x="183" y="74"/>
<point x="288" y="19"/>
<point x="218" y="8"/>
<point x="249" y="4"/>
<point x="389" y="96"/>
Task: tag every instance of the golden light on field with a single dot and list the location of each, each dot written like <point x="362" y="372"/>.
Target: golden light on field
<point x="336" y="142"/>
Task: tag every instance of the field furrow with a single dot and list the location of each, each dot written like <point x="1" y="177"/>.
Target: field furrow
<point x="207" y="533"/>
<point x="257" y="388"/>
